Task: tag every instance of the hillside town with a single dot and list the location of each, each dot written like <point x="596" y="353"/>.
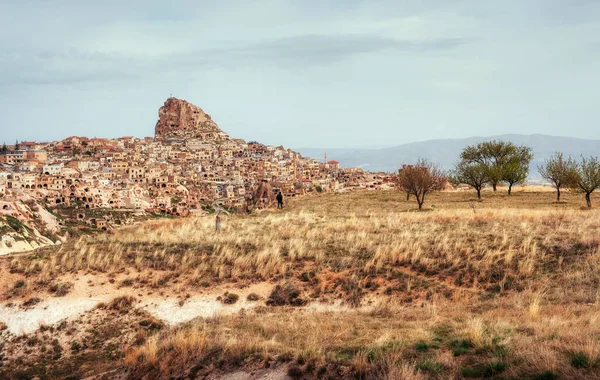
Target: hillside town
<point x="188" y="166"/>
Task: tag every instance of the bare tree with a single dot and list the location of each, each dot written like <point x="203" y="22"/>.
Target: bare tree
<point x="588" y="178"/>
<point x="475" y="175"/>
<point x="421" y="179"/>
<point x="559" y="171"/>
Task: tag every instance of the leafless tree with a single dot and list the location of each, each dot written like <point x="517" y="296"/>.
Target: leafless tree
<point x="421" y="179"/>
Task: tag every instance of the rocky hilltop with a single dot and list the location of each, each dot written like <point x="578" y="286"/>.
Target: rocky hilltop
<point x="179" y="119"/>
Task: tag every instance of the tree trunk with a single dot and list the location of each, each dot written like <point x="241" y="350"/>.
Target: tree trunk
<point x="478" y="193"/>
<point x="494" y="184"/>
<point x="588" y="200"/>
<point x="407" y="196"/>
<point x="510" y="188"/>
<point x="422" y="201"/>
<point x="558" y="193"/>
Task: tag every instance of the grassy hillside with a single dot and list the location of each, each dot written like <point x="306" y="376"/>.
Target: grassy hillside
<point x="361" y="286"/>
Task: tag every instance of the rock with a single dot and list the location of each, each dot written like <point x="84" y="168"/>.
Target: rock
<point x="178" y="119"/>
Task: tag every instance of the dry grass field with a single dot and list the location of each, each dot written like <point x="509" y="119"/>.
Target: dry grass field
<point x="362" y="286"/>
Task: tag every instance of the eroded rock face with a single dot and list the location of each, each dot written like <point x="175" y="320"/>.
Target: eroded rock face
<point x="180" y="119"/>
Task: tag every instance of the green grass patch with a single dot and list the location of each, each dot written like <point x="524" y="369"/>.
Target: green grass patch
<point x="430" y="366"/>
<point x="486" y="371"/>
<point x="548" y="375"/>
<point x="421" y="346"/>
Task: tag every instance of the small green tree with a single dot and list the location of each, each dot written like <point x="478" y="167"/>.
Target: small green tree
<point x="503" y="161"/>
<point x="492" y="155"/>
<point x="475" y="175"/>
<point x="588" y="177"/>
<point x="559" y="171"/>
<point x="4" y="148"/>
<point x="517" y="168"/>
<point x="17" y="147"/>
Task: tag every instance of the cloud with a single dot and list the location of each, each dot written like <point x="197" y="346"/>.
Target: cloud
<point x="326" y="48"/>
<point x="74" y="66"/>
<point x="470" y="66"/>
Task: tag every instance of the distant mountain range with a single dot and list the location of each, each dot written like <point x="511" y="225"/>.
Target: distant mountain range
<point x="446" y="151"/>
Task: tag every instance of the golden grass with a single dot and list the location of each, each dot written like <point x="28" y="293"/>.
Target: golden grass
<point x="487" y="246"/>
<point x="402" y="341"/>
<point x="514" y="278"/>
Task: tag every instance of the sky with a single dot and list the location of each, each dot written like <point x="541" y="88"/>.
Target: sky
<point x="325" y="73"/>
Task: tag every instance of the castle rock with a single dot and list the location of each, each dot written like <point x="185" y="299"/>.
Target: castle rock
<point x="179" y="119"/>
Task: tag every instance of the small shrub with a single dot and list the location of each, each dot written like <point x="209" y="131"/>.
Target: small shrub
<point x="121" y="304"/>
<point x="3" y="326"/>
<point x="126" y="283"/>
<point x="152" y="324"/>
<point x="295" y="372"/>
<point x="140" y="338"/>
<point x="580" y="360"/>
<point x="253" y="297"/>
<point x="287" y="294"/>
<point x="230" y="298"/>
<point x="75" y="346"/>
<point x="421" y="346"/>
<point x="31" y="302"/>
<point x="61" y="289"/>
<point x="19" y="284"/>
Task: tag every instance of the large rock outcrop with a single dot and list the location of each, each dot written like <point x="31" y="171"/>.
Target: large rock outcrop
<point x="178" y="119"/>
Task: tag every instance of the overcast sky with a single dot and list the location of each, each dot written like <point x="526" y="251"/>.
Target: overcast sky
<point x="302" y="73"/>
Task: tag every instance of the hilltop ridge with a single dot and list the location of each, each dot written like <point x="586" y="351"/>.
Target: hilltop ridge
<point x="446" y="151"/>
<point x="178" y="118"/>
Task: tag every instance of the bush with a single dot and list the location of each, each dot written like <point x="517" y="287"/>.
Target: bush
<point x="121" y="304"/>
<point x="152" y="324"/>
<point x="230" y="298"/>
<point x="253" y="297"/>
<point x="287" y="294"/>
<point x="125" y="283"/>
<point x="31" y="302"/>
<point x="61" y="289"/>
<point x="19" y="284"/>
<point x="580" y="360"/>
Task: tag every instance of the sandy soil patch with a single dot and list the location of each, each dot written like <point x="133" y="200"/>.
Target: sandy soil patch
<point x="265" y="374"/>
<point x="48" y="312"/>
<point x="88" y="292"/>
